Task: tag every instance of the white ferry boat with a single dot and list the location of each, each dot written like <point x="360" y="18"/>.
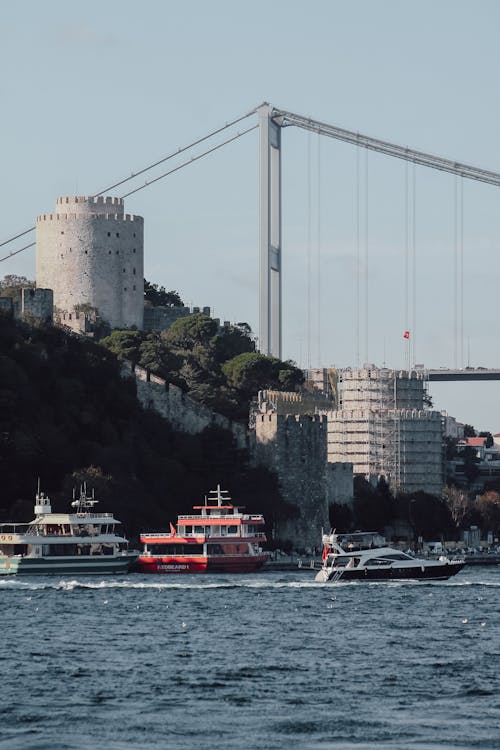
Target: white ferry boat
<point x="82" y="541"/>
<point x="365" y="556"/>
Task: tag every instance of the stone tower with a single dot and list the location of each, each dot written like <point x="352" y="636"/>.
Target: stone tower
<point x="92" y="255"/>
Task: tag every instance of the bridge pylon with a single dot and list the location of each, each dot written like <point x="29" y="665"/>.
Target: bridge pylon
<point x="270" y="284"/>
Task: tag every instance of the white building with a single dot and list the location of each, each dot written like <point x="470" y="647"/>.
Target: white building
<point x="383" y="429"/>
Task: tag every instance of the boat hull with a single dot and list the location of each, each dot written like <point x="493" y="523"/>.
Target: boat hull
<point x="440" y="572"/>
<point x="200" y="564"/>
<point x="81" y="565"/>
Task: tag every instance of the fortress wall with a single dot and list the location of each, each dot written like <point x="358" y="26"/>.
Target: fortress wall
<point x="183" y="412"/>
<point x="295" y="447"/>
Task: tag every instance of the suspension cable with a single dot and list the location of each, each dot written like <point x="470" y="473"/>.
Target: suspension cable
<point x="190" y="161"/>
<point x="146" y="169"/>
<point x="174" y="153"/>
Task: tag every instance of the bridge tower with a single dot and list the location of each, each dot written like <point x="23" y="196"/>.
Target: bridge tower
<point x="270" y="313"/>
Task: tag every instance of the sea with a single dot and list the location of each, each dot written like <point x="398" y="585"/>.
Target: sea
<point x="265" y="661"/>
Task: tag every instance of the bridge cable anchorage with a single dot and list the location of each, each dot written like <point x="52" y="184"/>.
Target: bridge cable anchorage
<point x="421" y="158"/>
<point x="133" y="175"/>
<point x="190" y="161"/>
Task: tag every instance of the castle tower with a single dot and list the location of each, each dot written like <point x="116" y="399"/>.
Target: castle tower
<point x="92" y="255"/>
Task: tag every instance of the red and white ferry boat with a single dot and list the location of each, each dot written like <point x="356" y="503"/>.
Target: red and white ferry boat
<point x="218" y="539"/>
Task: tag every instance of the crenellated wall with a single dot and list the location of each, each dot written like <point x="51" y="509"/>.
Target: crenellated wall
<point x="91" y="253"/>
<point x="183" y="412"/>
<point x="295" y="447"/>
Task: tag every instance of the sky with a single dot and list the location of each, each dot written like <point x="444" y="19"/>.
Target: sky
<point x="92" y="92"/>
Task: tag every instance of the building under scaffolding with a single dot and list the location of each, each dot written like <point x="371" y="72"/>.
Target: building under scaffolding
<point x="383" y="429"/>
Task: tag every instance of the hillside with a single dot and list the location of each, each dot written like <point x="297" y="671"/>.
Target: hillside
<point x="66" y="416"/>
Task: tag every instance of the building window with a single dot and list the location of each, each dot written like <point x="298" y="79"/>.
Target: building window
<point x="86" y="252"/>
<point x="117" y="252"/>
<point x="123" y="270"/>
<point x="134" y="287"/>
<point x="134" y="271"/>
<point x="109" y="234"/>
<point x="124" y="288"/>
<point x="118" y="234"/>
<point x="134" y="236"/>
<point x="109" y="252"/>
<point x="133" y="249"/>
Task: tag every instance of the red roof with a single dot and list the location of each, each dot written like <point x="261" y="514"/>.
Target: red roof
<point x="476" y="442"/>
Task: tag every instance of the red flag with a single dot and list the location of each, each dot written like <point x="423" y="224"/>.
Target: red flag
<point x="172" y="530"/>
<point x="406" y="335"/>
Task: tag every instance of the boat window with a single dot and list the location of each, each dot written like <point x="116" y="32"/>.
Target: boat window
<point x="398" y="556"/>
<point x="377" y="561"/>
<point x="232" y="529"/>
<point x="340" y="560"/>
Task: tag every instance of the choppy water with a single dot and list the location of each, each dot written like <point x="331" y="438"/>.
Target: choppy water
<point x="271" y="660"/>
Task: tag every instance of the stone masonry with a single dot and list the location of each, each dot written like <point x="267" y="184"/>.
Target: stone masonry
<point x="91" y="254"/>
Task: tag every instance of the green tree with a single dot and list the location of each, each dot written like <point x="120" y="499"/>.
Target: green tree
<point x="186" y="333"/>
<point x="126" y="344"/>
<point x="158" y="296"/>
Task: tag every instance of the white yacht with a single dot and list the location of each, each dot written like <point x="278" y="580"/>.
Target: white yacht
<point x="365" y="556"/>
<point x="82" y="541"/>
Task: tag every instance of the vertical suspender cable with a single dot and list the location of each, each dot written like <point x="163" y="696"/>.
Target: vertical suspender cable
<point x="357" y="258"/>
<point x="318" y="259"/>
<point x="366" y="259"/>
<point x="461" y="271"/>
<point x="413" y="340"/>
<point x="455" y="276"/>
<point x="407" y="262"/>
<point x="309" y="250"/>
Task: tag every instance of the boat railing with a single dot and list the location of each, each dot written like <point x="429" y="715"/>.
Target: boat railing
<point x="231" y="517"/>
<point x="206" y="535"/>
<point x="94" y="515"/>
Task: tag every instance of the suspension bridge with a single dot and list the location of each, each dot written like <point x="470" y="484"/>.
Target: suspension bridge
<point x="271" y="123"/>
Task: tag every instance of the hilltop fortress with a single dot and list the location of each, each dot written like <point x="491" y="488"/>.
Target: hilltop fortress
<point x="91" y="254"/>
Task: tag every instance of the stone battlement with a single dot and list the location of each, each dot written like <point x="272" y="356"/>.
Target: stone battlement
<point x="106" y="200"/>
<point x="109" y="216"/>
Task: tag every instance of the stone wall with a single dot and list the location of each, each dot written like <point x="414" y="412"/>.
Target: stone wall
<point x="91" y="253"/>
<point x="29" y="302"/>
<point x="295" y="448"/>
<point x="183" y="412"/>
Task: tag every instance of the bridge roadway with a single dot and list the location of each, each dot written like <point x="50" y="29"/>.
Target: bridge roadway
<point x="467" y="373"/>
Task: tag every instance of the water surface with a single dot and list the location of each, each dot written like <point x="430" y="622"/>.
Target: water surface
<point x="264" y="661"/>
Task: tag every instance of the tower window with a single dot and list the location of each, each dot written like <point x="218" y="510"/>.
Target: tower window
<point x="117" y="252"/>
<point x="133" y="250"/>
<point x="123" y="270"/>
<point x="134" y="271"/>
<point x="134" y="287"/>
<point x="62" y="231"/>
<point x="109" y="234"/>
<point x="118" y="234"/>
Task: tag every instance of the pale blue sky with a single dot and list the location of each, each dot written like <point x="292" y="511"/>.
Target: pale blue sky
<point x="93" y="91"/>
